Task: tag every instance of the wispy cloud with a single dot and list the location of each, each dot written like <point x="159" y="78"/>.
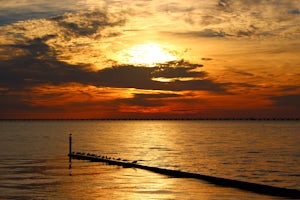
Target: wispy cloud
<point x="206" y="33"/>
<point x="292" y="100"/>
<point x="86" y="24"/>
<point x="15" y="10"/>
<point x="239" y="18"/>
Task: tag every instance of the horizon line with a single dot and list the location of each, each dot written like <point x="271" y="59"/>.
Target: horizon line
<point x="146" y="119"/>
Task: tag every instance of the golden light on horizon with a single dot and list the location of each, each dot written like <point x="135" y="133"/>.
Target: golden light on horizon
<point x="148" y="54"/>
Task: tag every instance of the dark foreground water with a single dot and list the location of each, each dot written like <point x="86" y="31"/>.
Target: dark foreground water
<point x="34" y="162"/>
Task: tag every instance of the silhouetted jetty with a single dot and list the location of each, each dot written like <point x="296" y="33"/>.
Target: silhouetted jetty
<point x="247" y="186"/>
<point x="253" y="187"/>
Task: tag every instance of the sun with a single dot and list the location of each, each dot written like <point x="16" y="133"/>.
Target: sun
<point x="148" y="54"/>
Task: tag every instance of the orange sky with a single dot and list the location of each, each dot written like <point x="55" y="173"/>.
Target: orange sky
<point x="142" y="59"/>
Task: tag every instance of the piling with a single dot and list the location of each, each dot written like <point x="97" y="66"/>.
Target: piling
<point x="70" y="148"/>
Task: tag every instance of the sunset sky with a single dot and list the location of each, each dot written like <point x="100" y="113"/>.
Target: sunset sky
<point x="149" y="59"/>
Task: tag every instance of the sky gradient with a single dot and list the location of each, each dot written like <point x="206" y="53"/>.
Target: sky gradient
<point x="149" y="59"/>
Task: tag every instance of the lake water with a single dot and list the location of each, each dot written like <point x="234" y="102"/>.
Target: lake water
<point x="34" y="162"/>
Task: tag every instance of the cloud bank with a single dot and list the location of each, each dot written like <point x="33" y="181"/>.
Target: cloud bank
<point x="58" y="57"/>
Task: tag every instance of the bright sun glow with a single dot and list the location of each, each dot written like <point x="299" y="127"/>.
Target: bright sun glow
<point x="147" y="54"/>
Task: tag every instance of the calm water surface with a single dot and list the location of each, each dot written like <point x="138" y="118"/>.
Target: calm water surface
<point x="34" y="162"/>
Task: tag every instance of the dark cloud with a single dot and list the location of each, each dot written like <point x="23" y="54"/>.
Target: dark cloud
<point x="39" y="65"/>
<point x="247" y="18"/>
<point x="210" y="20"/>
<point x="147" y="100"/>
<point x="16" y="105"/>
<point x="179" y="63"/>
<point x="180" y="70"/>
<point x="240" y="72"/>
<point x="292" y="100"/>
<point x="31" y="62"/>
<point x="176" y="8"/>
<point x="290" y="88"/>
<point x="126" y="76"/>
<point x="9" y="16"/>
<point x="90" y="23"/>
<point x="20" y="74"/>
<point x="248" y="31"/>
<point x="209" y="33"/>
<point x="11" y="12"/>
<point x="206" y="59"/>
<point x="204" y="85"/>
<point x="141" y="78"/>
<point x="244" y="85"/>
<point x="11" y="101"/>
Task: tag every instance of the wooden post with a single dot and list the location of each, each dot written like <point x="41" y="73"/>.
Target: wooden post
<point x="70" y="147"/>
